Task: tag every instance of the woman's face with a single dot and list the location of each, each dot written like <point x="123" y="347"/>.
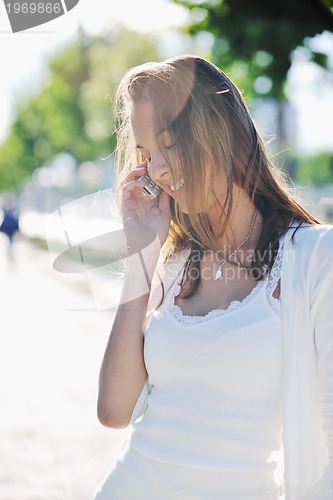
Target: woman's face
<point x="156" y="149"/>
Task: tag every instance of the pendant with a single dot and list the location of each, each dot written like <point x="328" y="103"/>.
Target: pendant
<point x="219" y="273"/>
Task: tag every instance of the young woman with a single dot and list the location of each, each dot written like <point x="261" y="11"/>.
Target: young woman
<point x="228" y="356"/>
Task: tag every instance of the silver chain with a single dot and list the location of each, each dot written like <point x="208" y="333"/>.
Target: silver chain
<point x="219" y="272"/>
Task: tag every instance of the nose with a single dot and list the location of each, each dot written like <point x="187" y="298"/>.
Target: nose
<point x="158" y="168"/>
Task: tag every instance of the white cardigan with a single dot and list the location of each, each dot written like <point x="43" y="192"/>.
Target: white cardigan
<point x="307" y="323"/>
<point x="307" y="319"/>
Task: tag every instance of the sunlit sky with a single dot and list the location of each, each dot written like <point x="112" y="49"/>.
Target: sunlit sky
<point x="22" y="60"/>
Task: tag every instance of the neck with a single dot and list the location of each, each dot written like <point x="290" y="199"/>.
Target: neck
<point x="244" y="216"/>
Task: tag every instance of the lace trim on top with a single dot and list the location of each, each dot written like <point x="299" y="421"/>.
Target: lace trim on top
<point x="270" y="282"/>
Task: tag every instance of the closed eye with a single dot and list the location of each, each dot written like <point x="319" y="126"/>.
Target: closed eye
<point x="168" y="139"/>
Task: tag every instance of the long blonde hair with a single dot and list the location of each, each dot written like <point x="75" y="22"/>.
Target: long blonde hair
<point x="209" y="119"/>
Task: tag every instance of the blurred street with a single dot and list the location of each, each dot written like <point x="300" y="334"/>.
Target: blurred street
<point x="52" y="446"/>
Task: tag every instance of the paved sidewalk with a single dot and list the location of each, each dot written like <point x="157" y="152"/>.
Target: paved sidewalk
<point x="52" y="340"/>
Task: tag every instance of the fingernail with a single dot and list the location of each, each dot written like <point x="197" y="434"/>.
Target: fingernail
<point x="143" y="178"/>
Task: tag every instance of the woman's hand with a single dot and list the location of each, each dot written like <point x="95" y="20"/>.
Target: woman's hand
<point x="143" y="218"/>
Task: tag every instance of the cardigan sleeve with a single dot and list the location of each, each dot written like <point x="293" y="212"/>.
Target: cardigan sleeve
<point x="322" y="317"/>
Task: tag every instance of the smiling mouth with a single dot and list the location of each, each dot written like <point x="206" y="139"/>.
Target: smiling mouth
<point x="178" y="185"/>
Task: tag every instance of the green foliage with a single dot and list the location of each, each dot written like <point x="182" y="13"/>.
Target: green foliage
<point x="72" y="111"/>
<point x="314" y="169"/>
<point x="254" y="39"/>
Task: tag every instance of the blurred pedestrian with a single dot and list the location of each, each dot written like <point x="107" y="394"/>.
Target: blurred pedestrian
<point x="229" y="359"/>
<point x="9" y="225"/>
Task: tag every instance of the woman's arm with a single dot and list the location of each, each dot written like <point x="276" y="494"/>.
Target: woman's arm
<point x="123" y="373"/>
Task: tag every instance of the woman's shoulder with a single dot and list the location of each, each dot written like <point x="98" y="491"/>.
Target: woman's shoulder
<point x="310" y="246"/>
<point x="169" y="271"/>
<point x="310" y="234"/>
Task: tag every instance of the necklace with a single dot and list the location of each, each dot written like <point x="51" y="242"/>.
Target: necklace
<point x="219" y="271"/>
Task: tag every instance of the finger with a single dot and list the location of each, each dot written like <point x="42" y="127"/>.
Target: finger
<point x="134" y="187"/>
<point x="134" y="183"/>
<point x="137" y="172"/>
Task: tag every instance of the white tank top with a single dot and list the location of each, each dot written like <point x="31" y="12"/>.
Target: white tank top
<point x="216" y="397"/>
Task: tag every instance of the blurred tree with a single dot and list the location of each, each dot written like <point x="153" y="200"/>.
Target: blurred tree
<point x="254" y="39"/>
<point x="317" y="169"/>
<point x="70" y="112"/>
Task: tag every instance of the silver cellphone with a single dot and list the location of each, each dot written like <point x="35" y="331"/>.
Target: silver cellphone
<point x="151" y="189"/>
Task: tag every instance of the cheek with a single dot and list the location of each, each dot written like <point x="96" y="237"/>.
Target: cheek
<point x="175" y="165"/>
<point x="196" y="195"/>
